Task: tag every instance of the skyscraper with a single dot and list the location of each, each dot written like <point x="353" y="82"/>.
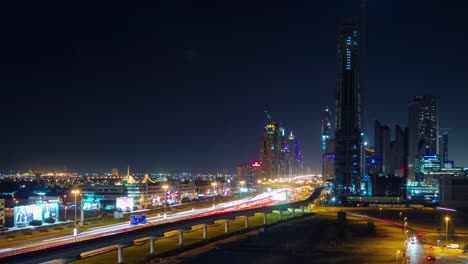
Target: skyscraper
<point x="398" y="153"/>
<point x="325" y="136"/>
<point x="269" y="151"/>
<point x="423" y="127"/>
<point x="443" y="148"/>
<point x="382" y="148"/>
<point x="348" y="110"/>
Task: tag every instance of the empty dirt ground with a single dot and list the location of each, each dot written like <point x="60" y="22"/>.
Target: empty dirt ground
<point x="313" y="239"/>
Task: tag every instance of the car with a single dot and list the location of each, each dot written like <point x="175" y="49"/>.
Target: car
<point x="453" y="246"/>
<point x="430" y="258"/>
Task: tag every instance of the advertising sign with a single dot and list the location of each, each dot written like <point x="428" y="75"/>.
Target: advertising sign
<point x="124" y="204"/>
<point x="25" y="214"/>
<point x="90" y="206"/>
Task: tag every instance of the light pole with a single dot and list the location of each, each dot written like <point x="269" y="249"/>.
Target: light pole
<point x="66" y="213"/>
<point x="446" y="229"/>
<point x="397" y="255"/>
<point x="380" y="212"/>
<point x="165" y="187"/>
<point x="214" y="187"/>
<point x="400" y="215"/>
<point x="75" y="192"/>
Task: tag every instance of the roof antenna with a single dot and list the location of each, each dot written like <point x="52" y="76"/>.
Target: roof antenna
<point x="266" y="112"/>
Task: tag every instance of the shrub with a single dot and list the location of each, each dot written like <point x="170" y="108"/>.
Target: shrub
<point x="49" y="220"/>
<point x="35" y="223"/>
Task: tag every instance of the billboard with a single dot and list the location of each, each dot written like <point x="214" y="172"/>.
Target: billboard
<point x="124" y="204"/>
<point x="91" y="206"/>
<point x="26" y="213"/>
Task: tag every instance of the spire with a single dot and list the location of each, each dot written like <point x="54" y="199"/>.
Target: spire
<point x="130" y="178"/>
<point x="147" y="179"/>
<point x="291" y="136"/>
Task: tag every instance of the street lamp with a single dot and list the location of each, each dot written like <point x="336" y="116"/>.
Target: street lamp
<point x="165" y="187"/>
<point x="66" y="207"/>
<point x="380" y="212"/>
<point x="400" y="215"/>
<point x="214" y="187"/>
<point x="446" y="229"/>
<point x="75" y="192"/>
<point x="397" y="255"/>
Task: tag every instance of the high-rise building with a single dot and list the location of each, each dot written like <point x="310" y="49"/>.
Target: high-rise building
<point x="326" y="130"/>
<point x="348" y="110"/>
<point x="329" y="169"/>
<point x="382" y="148"/>
<point x="443" y="149"/>
<point x="423" y="130"/>
<point x="280" y="155"/>
<point x="269" y="151"/>
<point x="398" y="153"/>
<point x="283" y="153"/>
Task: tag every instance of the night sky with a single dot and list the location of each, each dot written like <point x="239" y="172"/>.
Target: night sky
<point x="182" y="86"/>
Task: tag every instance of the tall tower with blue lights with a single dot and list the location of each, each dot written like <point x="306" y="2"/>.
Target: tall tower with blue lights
<point x="348" y="110"/>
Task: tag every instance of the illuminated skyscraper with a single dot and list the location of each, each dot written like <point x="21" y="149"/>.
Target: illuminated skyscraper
<point x="325" y="136"/>
<point x="348" y="110"/>
<point x="443" y="149"/>
<point x="423" y="129"/>
<point x="269" y="151"/>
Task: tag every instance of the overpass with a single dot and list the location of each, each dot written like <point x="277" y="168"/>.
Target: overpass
<point x="72" y="251"/>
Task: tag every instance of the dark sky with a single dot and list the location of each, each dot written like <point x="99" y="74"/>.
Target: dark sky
<point x="180" y="86"/>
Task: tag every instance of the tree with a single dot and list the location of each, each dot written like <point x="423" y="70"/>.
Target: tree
<point x="370" y="227"/>
<point x="341" y="215"/>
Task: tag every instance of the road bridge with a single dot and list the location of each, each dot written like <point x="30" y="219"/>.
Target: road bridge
<point x="72" y="251"/>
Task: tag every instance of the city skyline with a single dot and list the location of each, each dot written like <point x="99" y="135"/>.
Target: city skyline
<point x="177" y="90"/>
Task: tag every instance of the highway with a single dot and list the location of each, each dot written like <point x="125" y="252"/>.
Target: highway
<point x="251" y="202"/>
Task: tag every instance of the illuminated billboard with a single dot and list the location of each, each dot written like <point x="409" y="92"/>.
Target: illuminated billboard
<point x="25" y="214"/>
<point x="124" y="204"/>
<point x="91" y="206"/>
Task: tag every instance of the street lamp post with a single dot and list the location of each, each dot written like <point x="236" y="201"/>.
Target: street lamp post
<point x="214" y="187"/>
<point x="75" y="192"/>
<point x="397" y="255"/>
<point x="400" y="215"/>
<point x="446" y="229"/>
<point x="66" y="213"/>
<point x="380" y="212"/>
<point x="165" y="187"/>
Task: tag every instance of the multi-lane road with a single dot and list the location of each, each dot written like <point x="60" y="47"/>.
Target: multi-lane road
<point x="14" y="248"/>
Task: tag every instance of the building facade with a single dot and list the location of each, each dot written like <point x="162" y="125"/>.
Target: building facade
<point x="326" y="135"/>
<point x="423" y="133"/>
<point x="348" y="111"/>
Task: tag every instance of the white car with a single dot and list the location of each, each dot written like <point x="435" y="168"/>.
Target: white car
<point x="453" y="246"/>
